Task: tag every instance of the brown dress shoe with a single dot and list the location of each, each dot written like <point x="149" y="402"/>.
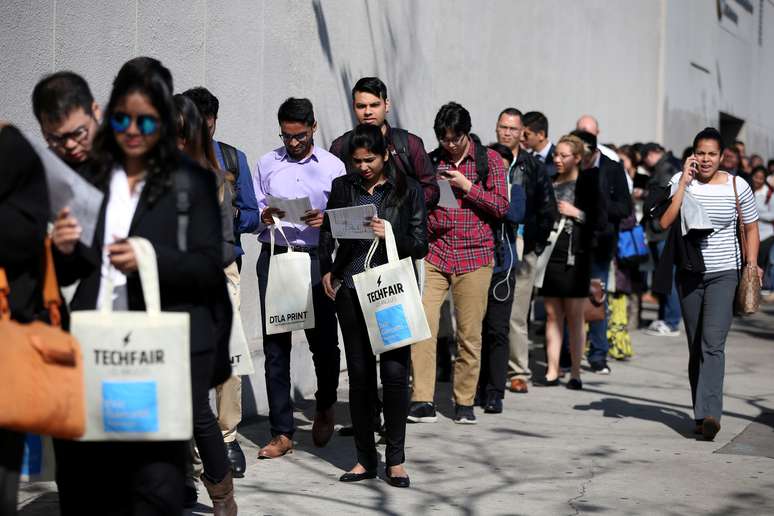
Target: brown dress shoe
<point x="322" y="428"/>
<point x="519" y="385"/>
<point x="277" y="447"/>
<point x="710" y="428"/>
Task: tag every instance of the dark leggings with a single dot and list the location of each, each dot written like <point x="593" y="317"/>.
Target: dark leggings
<point x="361" y="367"/>
<point x="207" y="434"/>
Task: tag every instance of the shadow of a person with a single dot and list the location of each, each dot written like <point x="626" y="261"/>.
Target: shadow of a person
<point x="675" y="419"/>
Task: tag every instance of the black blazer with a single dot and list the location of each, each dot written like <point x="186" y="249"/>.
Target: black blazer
<point x="24" y="212"/>
<point x="191" y="281"/>
<point x="619" y="205"/>
<point x="591" y="199"/>
<point x="407" y="215"/>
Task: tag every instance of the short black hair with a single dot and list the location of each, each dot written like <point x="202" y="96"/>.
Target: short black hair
<point x="738" y="142"/>
<point x="454" y="117"/>
<point x="372" y="85"/>
<point x="207" y="103"/>
<point x="759" y="168"/>
<point x="535" y="121"/>
<point x="510" y="111"/>
<point x="586" y="137"/>
<point x="296" y="110"/>
<point x="502" y="150"/>
<point x="57" y="95"/>
<point x="710" y="133"/>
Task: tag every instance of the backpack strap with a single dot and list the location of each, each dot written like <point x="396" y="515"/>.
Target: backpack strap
<point x="400" y="152"/>
<point x="230" y="159"/>
<point x="183" y="206"/>
<point x="482" y="160"/>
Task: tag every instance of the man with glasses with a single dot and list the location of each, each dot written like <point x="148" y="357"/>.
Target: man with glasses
<point x="68" y="116"/>
<point x="298" y="169"/>
<point x="460" y="259"/>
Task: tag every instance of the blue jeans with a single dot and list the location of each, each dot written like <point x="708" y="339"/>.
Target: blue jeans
<point x="598" y="344"/>
<point x="669" y="306"/>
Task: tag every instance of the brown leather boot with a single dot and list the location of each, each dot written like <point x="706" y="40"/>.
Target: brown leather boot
<point x="222" y="496"/>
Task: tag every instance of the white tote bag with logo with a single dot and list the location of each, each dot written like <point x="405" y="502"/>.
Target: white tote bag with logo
<point x="390" y="300"/>
<point x="288" y="303"/>
<point x="137" y="367"/>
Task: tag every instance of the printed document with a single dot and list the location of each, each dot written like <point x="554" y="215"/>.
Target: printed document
<point x="352" y="223"/>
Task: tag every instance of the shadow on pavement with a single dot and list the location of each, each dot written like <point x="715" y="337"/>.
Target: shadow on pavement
<point x="675" y="419"/>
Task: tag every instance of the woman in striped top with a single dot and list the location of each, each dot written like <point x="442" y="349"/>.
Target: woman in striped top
<point x="707" y="297"/>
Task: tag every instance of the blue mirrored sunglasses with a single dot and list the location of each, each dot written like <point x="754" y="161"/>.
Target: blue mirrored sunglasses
<point x="146" y="124"/>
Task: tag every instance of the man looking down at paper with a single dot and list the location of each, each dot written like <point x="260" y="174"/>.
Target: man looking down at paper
<point x="299" y="169"/>
<point x="399" y="200"/>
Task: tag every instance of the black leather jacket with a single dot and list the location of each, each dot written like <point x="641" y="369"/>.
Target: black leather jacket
<point x="406" y="213"/>
<point x="541" y="210"/>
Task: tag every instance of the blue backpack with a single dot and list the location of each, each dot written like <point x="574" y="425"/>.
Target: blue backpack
<point x="632" y="249"/>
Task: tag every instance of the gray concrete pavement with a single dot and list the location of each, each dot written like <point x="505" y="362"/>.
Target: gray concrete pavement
<point x="623" y="445"/>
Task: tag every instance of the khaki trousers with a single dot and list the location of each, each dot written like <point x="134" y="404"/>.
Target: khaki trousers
<point x="228" y="395"/>
<point x="469" y="293"/>
<point x="518" y="335"/>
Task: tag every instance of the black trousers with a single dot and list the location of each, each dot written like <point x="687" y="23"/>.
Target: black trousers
<point x="11" y="452"/>
<point x="139" y="478"/>
<point x="361" y="367"/>
<point x="495" y="348"/>
<point x="323" y="343"/>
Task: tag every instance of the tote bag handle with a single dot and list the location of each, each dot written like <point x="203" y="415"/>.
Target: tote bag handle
<point x="278" y="226"/>
<point x="389" y="240"/>
<point x="148" y="269"/>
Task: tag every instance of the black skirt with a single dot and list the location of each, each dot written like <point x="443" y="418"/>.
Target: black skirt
<point x="562" y="280"/>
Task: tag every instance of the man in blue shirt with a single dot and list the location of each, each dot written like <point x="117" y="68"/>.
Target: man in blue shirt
<point x="246" y="220"/>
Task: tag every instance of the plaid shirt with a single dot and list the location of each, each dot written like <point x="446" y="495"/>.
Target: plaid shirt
<point x="461" y="239"/>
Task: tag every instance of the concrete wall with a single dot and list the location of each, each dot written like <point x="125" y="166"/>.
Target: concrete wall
<point x="563" y="57"/>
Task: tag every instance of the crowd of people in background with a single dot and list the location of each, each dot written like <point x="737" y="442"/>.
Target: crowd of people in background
<point x="546" y="229"/>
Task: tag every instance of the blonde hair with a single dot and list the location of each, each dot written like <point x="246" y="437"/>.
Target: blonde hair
<point x="577" y="145"/>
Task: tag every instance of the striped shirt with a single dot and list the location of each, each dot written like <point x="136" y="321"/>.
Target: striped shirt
<point x="720" y="249"/>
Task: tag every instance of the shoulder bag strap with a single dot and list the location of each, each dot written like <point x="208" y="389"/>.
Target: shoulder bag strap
<point x="183" y="205"/>
<point x="740" y="224"/>
<point x="51" y="299"/>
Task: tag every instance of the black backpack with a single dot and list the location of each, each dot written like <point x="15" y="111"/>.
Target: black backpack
<point x="230" y="159"/>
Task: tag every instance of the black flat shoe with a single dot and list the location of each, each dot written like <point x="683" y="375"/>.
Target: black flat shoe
<point x="575" y="384"/>
<point x="543" y="382"/>
<point x="357" y="477"/>
<point x="396" y="481"/>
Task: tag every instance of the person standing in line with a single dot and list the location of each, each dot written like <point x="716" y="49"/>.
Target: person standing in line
<point x="534" y="138"/>
<point x="298" y="169"/>
<point x="540" y="213"/>
<point x="590" y="124"/>
<point x="228" y="396"/>
<point x="581" y="204"/>
<point x="660" y="164"/>
<point x="763" y="200"/>
<point x="371" y="105"/>
<point x="612" y="180"/>
<point x="399" y="200"/>
<point x="460" y="259"/>
<point x="494" y="336"/>
<point x="24" y="210"/>
<point x="135" y="161"/>
<point x="68" y="116"/>
<point x="708" y="267"/>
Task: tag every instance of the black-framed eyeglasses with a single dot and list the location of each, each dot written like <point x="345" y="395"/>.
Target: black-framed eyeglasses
<point x="299" y="137"/>
<point x="457" y="140"/>
<point x="79" y="135"/>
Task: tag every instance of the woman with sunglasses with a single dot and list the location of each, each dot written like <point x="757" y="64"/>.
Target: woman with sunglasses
<point x="400" y="201"/>
<point x="136" y="163"/>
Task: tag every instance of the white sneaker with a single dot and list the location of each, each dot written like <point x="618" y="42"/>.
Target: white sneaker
<point x="661" y="329"/>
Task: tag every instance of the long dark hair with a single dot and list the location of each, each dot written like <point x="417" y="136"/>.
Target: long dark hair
<point x="149" y="77"/>
<point x="370" y="138"/>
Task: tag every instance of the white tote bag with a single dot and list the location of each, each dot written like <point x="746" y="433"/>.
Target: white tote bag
<point x="288" y="303"/>
<point x="241" y="360"/>
<point x="390" y="300"/>
<point x="137" y="367"/>
<point x="542" y="262"/>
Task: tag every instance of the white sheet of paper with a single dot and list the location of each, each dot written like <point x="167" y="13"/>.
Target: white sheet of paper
<point x="68" y="189"/>
<point x="350" y="223"/>
<point x="294" y="208"/>
<point x="447" y="199"/>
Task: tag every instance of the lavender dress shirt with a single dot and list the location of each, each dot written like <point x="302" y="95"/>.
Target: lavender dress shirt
<point x="279" y="175"/>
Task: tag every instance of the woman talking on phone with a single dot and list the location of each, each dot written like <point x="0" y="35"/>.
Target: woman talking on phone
<point x="137" y="164"/>
<point x="398" y="200"/>
<point x="707" y="267"/>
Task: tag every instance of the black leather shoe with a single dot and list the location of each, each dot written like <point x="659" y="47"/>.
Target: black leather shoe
<point x="396" y="481"/>
<point x="575" y="384"/>
<point x="357" y="477"/>
<point x="543" y="382"/>
<point x="236" y="458"/>
<point x="494" y="405"/>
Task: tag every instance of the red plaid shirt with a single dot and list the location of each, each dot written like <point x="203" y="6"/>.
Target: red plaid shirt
<point x="461" y="239"/>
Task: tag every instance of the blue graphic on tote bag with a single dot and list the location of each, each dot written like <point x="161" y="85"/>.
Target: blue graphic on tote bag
<point x="393" y="325"/>
<point x="32" y="463"/>
<point x="130" y="406"/>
